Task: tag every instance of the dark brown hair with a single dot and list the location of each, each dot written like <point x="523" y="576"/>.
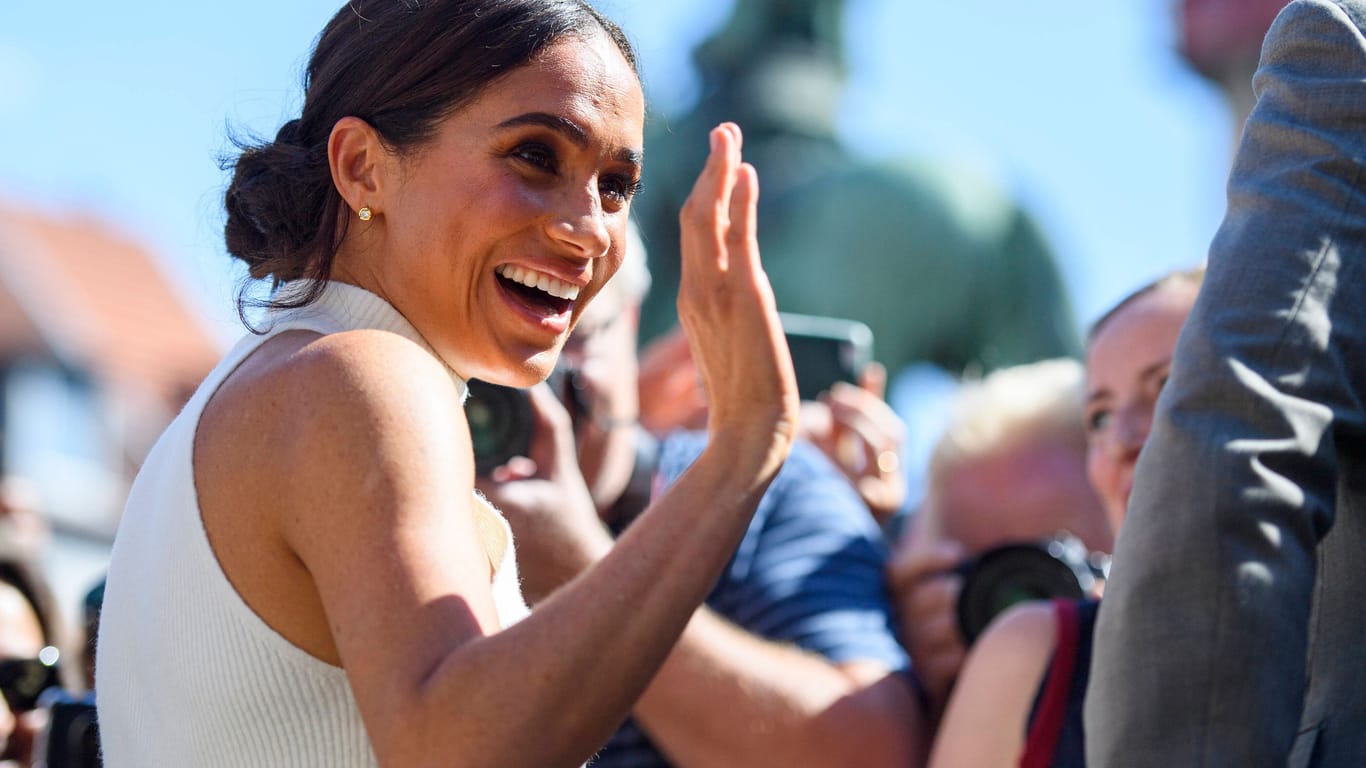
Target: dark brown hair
<point x="402" y="66"/>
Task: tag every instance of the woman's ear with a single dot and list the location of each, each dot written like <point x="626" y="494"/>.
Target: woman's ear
<point x="358" y="160"/>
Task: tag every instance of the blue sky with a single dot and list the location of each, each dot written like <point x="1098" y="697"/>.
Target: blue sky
<point x="1081" y="107"/>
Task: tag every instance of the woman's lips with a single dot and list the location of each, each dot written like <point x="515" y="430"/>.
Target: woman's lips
<point x="549" y="313"/>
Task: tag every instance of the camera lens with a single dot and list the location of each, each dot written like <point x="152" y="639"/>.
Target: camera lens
<point x="501" y="423"/>
<point x="1011" y="574"/>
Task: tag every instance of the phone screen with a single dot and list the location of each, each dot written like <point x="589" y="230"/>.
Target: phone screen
<point x="826" y="350"/>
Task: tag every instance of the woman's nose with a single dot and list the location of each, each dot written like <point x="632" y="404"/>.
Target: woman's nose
<point x="581" y="224"/>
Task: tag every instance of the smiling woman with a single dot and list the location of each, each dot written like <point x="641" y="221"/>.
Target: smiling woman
<point x="304" y="574"/>
<point x="545" y="192"/>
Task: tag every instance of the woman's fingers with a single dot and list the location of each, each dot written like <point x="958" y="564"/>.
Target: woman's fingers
<point x="725" y="301"/>
<point x="706" y="211"/>
<point x="742" y="237"/>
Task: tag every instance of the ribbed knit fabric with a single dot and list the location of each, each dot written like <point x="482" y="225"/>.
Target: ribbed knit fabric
<point x="188" y="675"/>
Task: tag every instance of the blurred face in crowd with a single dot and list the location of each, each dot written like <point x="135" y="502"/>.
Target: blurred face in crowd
<point x="1126" y="366"/>
<point x="21" y="637"/>
<point x="602" y="353"/>
<point x="1024" y="492"/>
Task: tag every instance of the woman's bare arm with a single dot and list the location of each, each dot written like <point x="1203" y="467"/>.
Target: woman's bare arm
<point x="985" y="723"/>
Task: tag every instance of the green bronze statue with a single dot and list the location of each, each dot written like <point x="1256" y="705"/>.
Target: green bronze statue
<point x="939" y="261"/>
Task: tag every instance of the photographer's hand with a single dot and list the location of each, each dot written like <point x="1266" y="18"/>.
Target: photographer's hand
<point x="925" y="591"/>
<point x="858" y="430"/>
<point x="544" y="498"/>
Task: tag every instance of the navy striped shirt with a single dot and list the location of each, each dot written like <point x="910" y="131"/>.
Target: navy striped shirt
<point x="809" y="571"/>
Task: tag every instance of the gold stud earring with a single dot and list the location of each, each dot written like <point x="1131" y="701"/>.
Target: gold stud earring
<point x="365" y="213"/>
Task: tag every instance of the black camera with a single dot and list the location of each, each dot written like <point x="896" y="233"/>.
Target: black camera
<point x="72" y="736"/>
<point x="1019" y="572"/>
<point x="502" y="422"/>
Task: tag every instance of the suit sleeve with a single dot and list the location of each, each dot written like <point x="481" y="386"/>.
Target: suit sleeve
<point x="1202" y="636"/>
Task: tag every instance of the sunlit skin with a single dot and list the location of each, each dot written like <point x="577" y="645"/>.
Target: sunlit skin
<point x="334" y="473"/>
<point x="1126" y="366"/>
<point x="537" y="173"/>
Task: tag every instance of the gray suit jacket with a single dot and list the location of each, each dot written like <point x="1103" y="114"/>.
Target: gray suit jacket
<point x="1233" y="630"/>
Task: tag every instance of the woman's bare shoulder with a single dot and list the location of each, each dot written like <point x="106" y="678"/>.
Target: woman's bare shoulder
<point x="304" y="376"/>
<point x="315" y="405"/>
<point x="372" y="366"/>
<point x="328" y="476"/>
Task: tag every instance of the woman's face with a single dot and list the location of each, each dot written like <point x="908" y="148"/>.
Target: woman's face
<point x="1126" y="366"/>
<point x="528" y="185"/>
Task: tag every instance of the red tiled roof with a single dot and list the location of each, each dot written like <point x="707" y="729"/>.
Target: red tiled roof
<point x="98" y="300"/>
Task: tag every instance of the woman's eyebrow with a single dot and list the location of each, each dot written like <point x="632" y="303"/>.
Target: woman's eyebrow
<point x="571" y="130"/>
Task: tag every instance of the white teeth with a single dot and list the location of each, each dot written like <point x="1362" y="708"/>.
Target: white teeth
<point x="543" y="282"/>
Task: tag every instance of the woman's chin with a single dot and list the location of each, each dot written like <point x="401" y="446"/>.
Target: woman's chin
<point x="521" y="373"/>
<point x="524" y="379"/>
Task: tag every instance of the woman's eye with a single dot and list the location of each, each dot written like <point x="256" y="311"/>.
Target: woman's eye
<point x="538" y="155"/>
<point x="1097" y="421"/>
<point x="619" y="188"/>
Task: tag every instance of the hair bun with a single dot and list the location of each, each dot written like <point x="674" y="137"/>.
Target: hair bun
<point x="275" y="205"/>
<point x="289" y="133"/>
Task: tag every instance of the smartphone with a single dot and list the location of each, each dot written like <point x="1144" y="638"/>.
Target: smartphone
<point x="826" y="350"/>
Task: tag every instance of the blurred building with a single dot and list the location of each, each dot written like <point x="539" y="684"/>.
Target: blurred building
<point x="98" y="351"/>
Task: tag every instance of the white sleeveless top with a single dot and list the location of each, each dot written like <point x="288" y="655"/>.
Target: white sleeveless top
<point x="188" y="675"/>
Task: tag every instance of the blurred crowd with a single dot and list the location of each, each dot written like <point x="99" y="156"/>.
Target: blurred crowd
<point x="873" y="613"/>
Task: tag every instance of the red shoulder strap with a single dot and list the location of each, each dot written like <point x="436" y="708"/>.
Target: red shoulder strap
<point x="1042" y="742"/>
